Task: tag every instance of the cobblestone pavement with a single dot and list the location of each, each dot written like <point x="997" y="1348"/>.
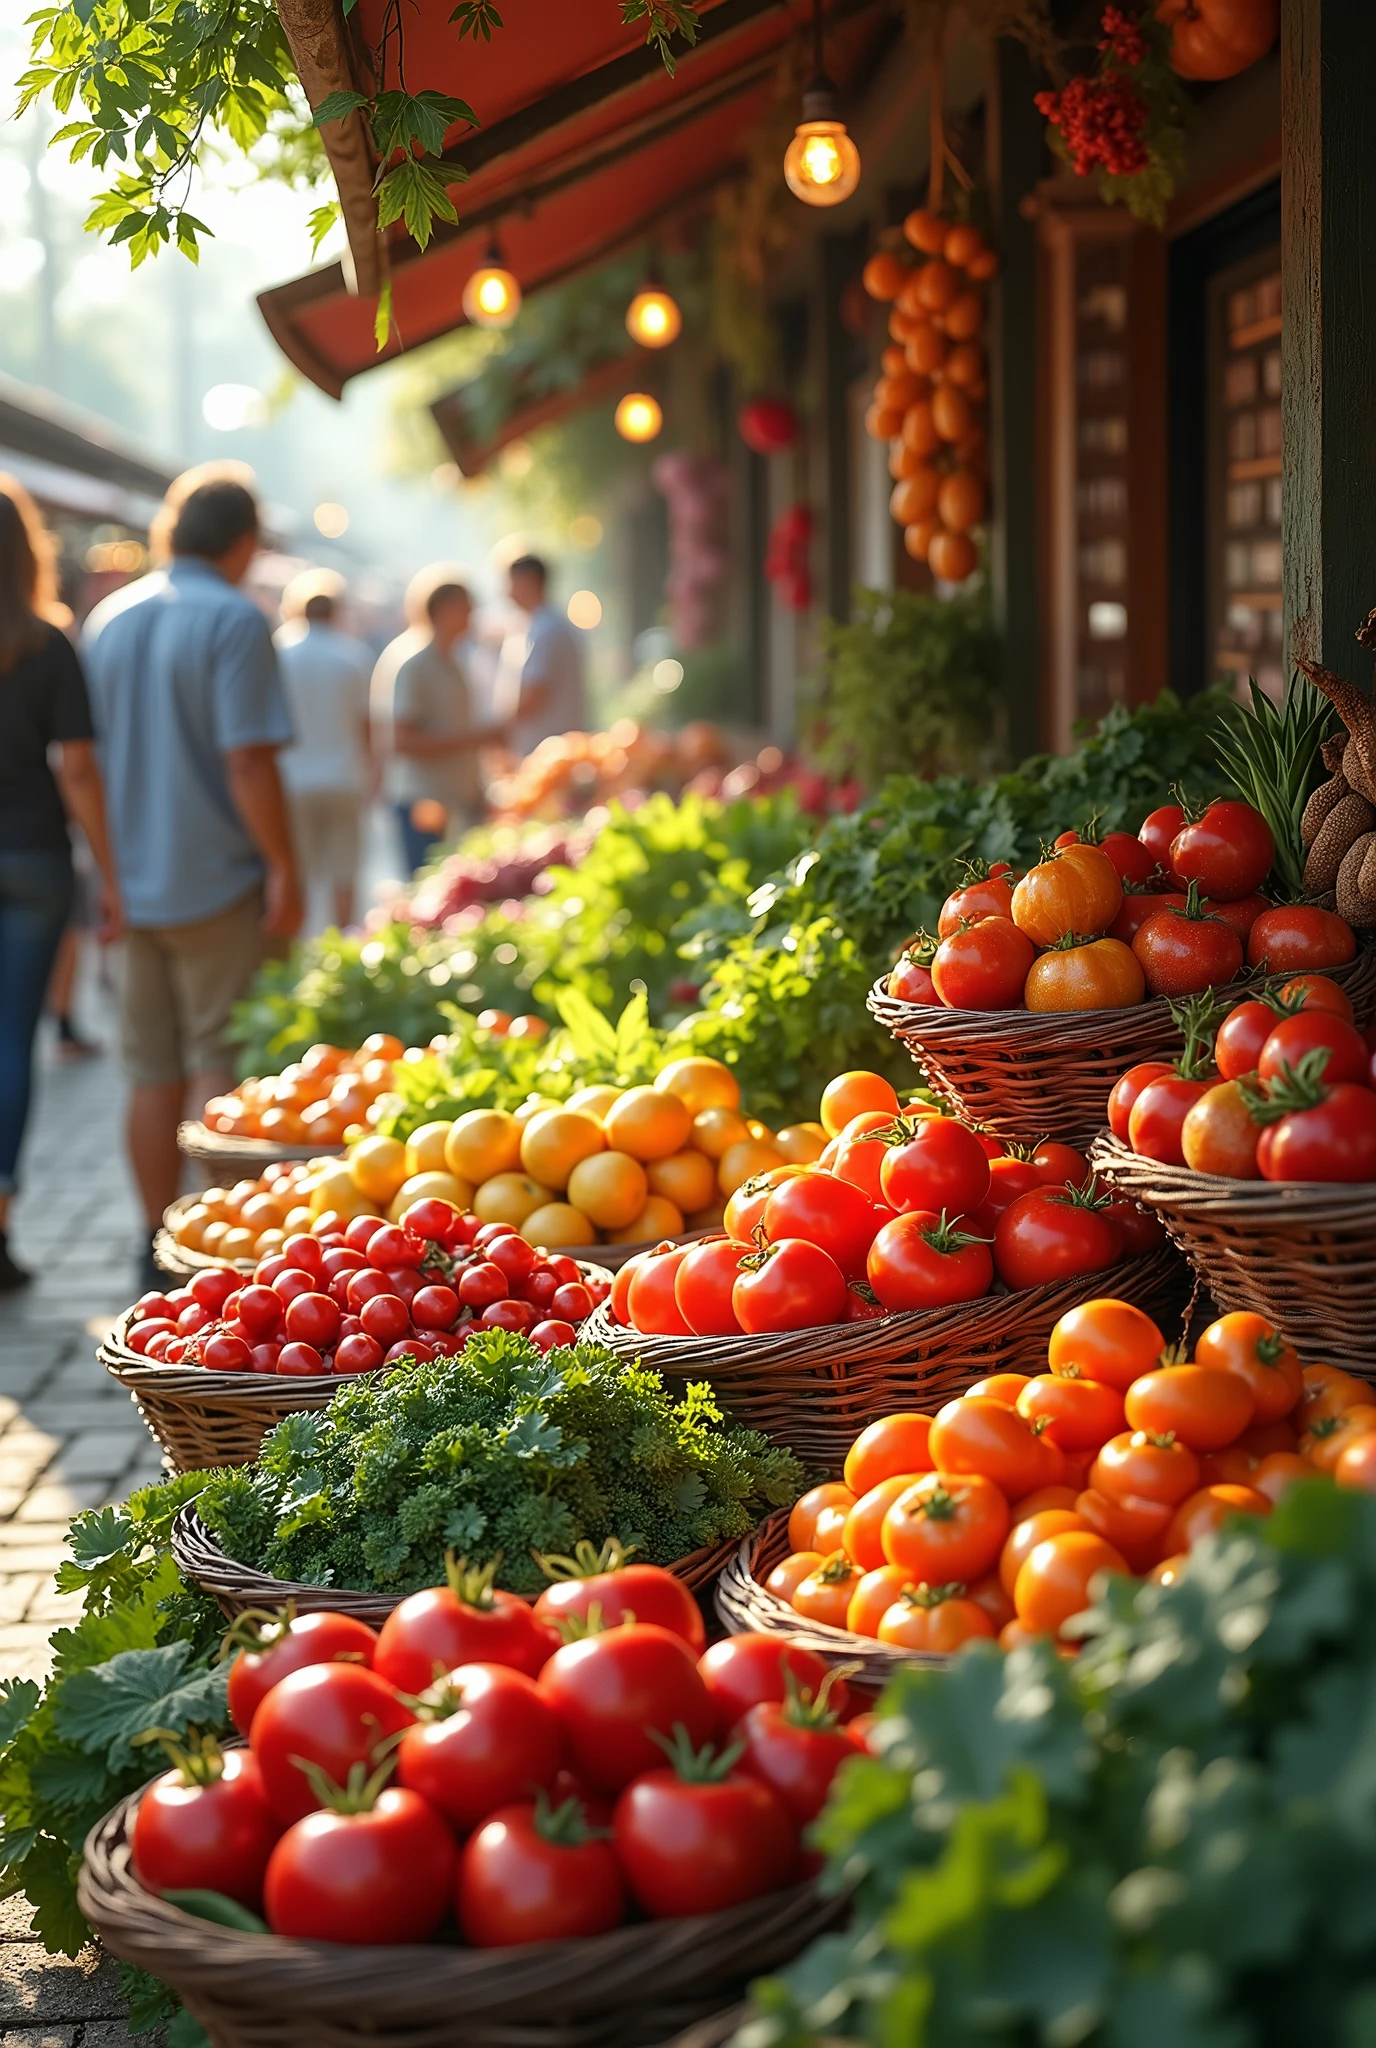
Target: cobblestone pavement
<point x="69" y="1439"/>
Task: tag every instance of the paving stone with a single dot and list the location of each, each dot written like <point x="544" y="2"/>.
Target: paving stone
<point x="17" y="1591"/>
<point x="49" y="1503"/>
<point x="54" y="1609"/>
<point x="96" y="1451"/>
<point x="52" y="1989"/>
<point x="40" y="2037"/>
<point x="21" y="1466"/>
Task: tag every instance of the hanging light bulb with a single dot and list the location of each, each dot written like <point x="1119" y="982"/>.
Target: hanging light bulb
<point x="653" y="318"/>
<point x="638" y="417"/>
<point x="492" y="297"/>
<point x="821" y="164"/>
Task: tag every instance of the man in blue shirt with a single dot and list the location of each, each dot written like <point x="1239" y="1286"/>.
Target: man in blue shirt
<point x="189" y="713"/>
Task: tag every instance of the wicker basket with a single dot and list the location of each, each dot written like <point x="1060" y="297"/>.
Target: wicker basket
<point x="815" y="1390"/>
<point x="633" y="1988"/>
<point x="1302" y="1253"/>
<point x="243" y="1158"/>
<point x="715" y="2032"/>
<point x="205" y="1418"/>
<point x="1023" y="1075"/>
<point x="238" y="1586"/>
<point x="747" y="1608"/>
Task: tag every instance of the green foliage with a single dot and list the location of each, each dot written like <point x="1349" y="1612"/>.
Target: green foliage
<point x="909" y="685"/>
<point x="663" y="19"/>
<point x="1272" y="753"/>
<point x="1171" y="1840"/>
<point x="140" y="1657"/>
<point x="500" y="1451"/>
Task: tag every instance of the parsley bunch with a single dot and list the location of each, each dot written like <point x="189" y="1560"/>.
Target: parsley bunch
<point x="501" y="1450"/>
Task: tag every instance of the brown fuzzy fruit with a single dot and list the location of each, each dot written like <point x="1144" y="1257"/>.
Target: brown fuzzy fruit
<point x="1320" y="807"/>
<point x="1355" y="900"/>
<point x="1350" y="819"/>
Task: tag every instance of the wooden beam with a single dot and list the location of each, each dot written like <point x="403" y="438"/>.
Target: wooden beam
<point x="1328" y="387"/>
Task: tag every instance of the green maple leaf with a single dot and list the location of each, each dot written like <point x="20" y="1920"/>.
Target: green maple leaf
<point x="104" y="1707"/>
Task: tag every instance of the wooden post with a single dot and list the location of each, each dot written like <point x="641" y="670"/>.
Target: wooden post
<point x="1328" y="389"/>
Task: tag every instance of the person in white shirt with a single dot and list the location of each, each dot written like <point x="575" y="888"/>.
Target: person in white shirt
<point x="328" y="771"/>
<point x="540" y="686"/>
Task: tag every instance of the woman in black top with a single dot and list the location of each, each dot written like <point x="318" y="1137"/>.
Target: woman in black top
<point x="42" y="705"/>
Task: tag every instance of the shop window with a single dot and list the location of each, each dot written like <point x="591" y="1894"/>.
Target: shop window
<point x="1244" y="548"/>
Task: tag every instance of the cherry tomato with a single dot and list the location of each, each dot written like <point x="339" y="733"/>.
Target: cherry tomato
<point x="896" y="1443"/>
<point x="790" y="1285"/>
<point x="509" y="1315"/>
<point x="516" y="1258"/>
<point x="941" y="1166"/>
<point x="825" y="1594"/>
<point x="1228" y="851"/>
<point x="300" y="1361"/>
<point x="1299" y="936"/>
<point x="432" y="1219"/>
<point x="1335" y="1140"/>
<point x="1182" y="952"/>
<point x="984" y="966"/>
<point x="206" y="1826"/>
<point x="538" y="1873"/>
<point x="1058" y="1166"/>
<point x="1204" y="1406"/>
<point x="571" y="1303"/>
<point x="1052" y="1235"/>
<point x="1157" y="833"/>
<point x="392" y="1246"/>
<point x="1205" y="1512"/>
<point x="786" y="1577"/>
<point x="1241" y="915"/>
<point x="303" y="1252"/>
<point x="1077" y="1414"/>
<point x="910" y="978"/>
<point x="385" y="1318"/>
<point x="974" y="1435"/>
<point x="224" y="1352"/>
<point x="824" y="1211"/>
<point x="213" y="1287"/>
<point x="626" y="1592"/>
<point x="650" y="1299"/>
<point x="1294" y="1037"/>
<point x="487" y="1735"/>
<point x="1056" y="1578"/>
<point x="482" y="1284"/>
<point x="553" y="1332"/>
<point x="741" y="1671"/>
<point x="1249" y="1345"/>
<point x="700" y="1839"/>
<point x="1126" y="1090"/>
<point x="1140" y="1231"/>
<point x="290" y="1644"/>
<point x="356" y="1353"/>
<point x="922" y="1261"/>
<point x="1240" y="1037"/>
<point x="331" y="1715"/>
<point x="612" y="1690"/>
<point x="1157" y="1122"/>
<point x="435" y="1308"/>
<point x="468" y="1621"/>
<point x="946" y="1529"/>
<point x="364" y="1286"/>
<point x="1220" y="1135"/>
<point x="936" y="1619"/>
<point x="359" y="1230"/>
<point x="312" y="1319"/>
<point x="991" y="897"/>
<point x="1008" y="1178"/>
<point x="381" y="1876"/>
<point x="152" y="1304"/>
<point x="1137" y="907"/>
<point x="873" y="1596"/>
<point x="1144" y="1465"/>
<point x="820" y="1514"/>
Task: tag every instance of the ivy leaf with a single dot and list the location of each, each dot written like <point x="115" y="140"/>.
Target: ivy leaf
<point x="663" y="19"/>
<point x="320" y="222"/>
<point x="413" y="192"/>
<point x="337" y="106"/>
<point x="476" y="18"/>
<point x="102" y="1708"/>
<point x="18" y="1699"/>
<point x="49" y="1880"/>
<point x="401" y="119"/>
<point x="382" y="318"/>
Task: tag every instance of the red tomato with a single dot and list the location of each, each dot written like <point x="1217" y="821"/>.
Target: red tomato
<point x="650" y="1298"/>
<point x="1241" y="915"/>
<point x="790" y="1285"/>
<point x="206" y="1826"/>
<point x="290" y="1645"/>
<point x="976" y="1435"/>
<point x="741" y="1672"/>
<point x="469" y="1621"/>
<point x="1076" y="1414"/>
<point x="1158" y="1117"/>
<point x="1059" y="1165"/>
<point x="482" y="1284"/>
<point x="1126" y="1091"/>
<point x="1052" y="1235"/>
<point x="1129" y="856"/>
<point x="1008" y="1178"/>
<point x="702" y="1287"/>
<point x="1317" y="992"/>
<point x="1228" y="851"/>
<point x="991" y="897"/>
<point x="827" y="1212"/>
<point x="333" y="1716"/>
<point x="1203" y="1405"/>
<point x="701" y="1836"/>
<point x="1140" y="1231"/>
<point x="1157" y="833"/>
<point x="796" y="1749"/>
<point x="435" y="1308"/>
<point x="392" y="1246"/>
<point x="746" y="1207"/>
<point x="910" y="978"/>
<point x="1240" y="1037"/>
<point x="300" y="1361"/>
<point x="1293" y="1037"/>
<point x="1333" y="1140"/>
<point x="622" y="1592"/>
<point x="946" y="1530"/>
<point x="941" y="1166"/>
<point x="381" y="1876"/>
<point x="1137" y="908"/>
<point x="385" y="1318"/>
<point x="222" y="1351"/>
<point x="356" y="1353"/>
<point x="896" y="1443"/>
<point x="1220" y="1134"/>
<point x="612" y="1690"/>
<point x="984" y="966"/>
<point x="433" y="1219"/>
<point x="213" y="1287"/>
<point x="920" y="1261"/>
<point x="860" y="1155"/>
<point x="1182" y="952"/>
<point x="1296" y="936"/>
<point x="487" y="1735"/>
<point x="538" y="1873"/>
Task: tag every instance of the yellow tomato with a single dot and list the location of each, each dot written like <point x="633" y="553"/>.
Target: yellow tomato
<point x="236" y="1244"/>
<point x="742" y="1161"/>
<point x="425" y="1147"/>
<point x="596" y="1100"/>
<point x="300" y="1217"/>
<point x="509" y="1198"/>
<point x="610" y="1187"/>
<point x="853" y="1092"/>
<point x="266" y="1242"/>
<point x="214" y="1235"/>
<point x="801" y="1143"/>
<point x="715" y="1130"/>
<point x="554" y="1141"/>
<point x="649" y="1123"/>
<point x="685" y="1178"/>
<point x="378" y="1167"/>
<point x="260" y="1212"/>
<point x="334" y="1187"/>
<point x="215" y="1202"/>
<point x="701" y="1083"/>
<point x="759" y="1130"/>
<point x="656" y="1220"/>
<point x="557" y="1224"/>
<point x="481" y="1143"/>
<point x="422" y="1186"/>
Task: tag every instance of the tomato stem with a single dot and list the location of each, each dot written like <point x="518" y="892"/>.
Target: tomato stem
<point x="567" y="1825"/>
<point x="586" y="1563"/>
<point x="472" y="1584"/>
<point x="1292" y="1089"/>
<point x="197" y="1759"/>
<point x="926" y="1596"/>
<point x="705" y="1766"/>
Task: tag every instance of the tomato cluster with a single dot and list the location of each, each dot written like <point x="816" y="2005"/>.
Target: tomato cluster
<point x="1290" y="1093"/>
<point x="532" y="1773"/>
<point x="995" y="1516"/>
<point x="350" y="1298"/>
<point x="1100" y="926"/>
<point x="903" y="1211"/>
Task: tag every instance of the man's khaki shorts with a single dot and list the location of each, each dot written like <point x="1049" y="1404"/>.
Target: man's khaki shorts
<point x="178" y="985"/>
<point x="326" y="825"/>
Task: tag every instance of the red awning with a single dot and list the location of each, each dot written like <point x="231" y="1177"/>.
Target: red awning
<point x="587" y="147"/>
<point x="635" y="369"/>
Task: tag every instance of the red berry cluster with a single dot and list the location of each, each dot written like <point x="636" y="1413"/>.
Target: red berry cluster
<point x="1102" y="121"/>
<point x="1123" y="37"/>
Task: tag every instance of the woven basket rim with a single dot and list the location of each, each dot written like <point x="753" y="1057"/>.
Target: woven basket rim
<point x="414" y="1981"/>
<point x="196" y="1141"/>
<point x="1276" y="1203"/>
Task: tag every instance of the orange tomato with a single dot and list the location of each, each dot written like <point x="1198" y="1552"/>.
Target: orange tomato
<point x="1043" y="1497"/>
<point x="649" y="1123"/>
<point x="983" y="1436"/>
<point x="1356" y="1463"/>
<point x="1264" y="1437"/>
<point x="873" y="1598"/>
<point x="934" y="1618"/>
<point x="988" y="1593"/>
<point x="1219" y="1134"/>
<point x="1208" y="1510"/>
<point x="1016" y="1635"/>
<point x="1137" y="1464"/>
<point x="896" y="1443"/>
<point x="1328" y="1391"/>
<point x="746" y="1206"/>
<point x="1168" y="1571"/>
<point x="1203" y="1405"/>
<point x="1001" y="1386"/>
<point x="1110" y="1341"/>
<point x="1100" y="974"/>
<point x="1232" y="1465"/>
<point x="853" y="1092"/>
<point x="1076" y="1414"/>
<point x="1134" y="1526"/>
<point x="832" y="1500"/>
<point x="786" y="1577"/>
<point x="1078" y="890"/>
<point x="943" y="1529"/>
<point x="380" y="1046"/>
<point x="861" y="1534"/>
<point x="824" y="1595"/>
<point x="1277" y="1473"/>
<point x="1055" y="1579"/>
<point x="1329" y="1437"/>
<point x="1251" y="1346"/>
<point x="1023" y="1538"/>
